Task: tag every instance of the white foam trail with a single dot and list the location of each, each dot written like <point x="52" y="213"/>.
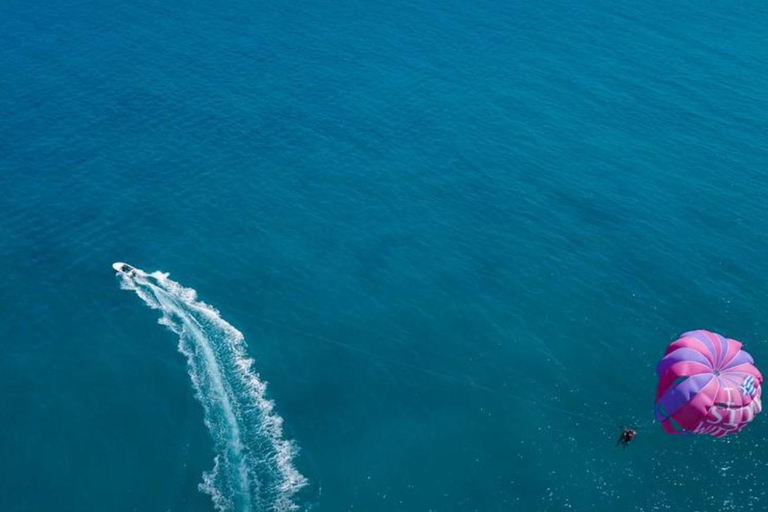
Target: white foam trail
<point x="253" y="468"/>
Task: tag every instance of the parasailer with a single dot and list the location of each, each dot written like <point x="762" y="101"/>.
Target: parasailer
<point x="707" y="385"/>
<point x="626" y="437"/>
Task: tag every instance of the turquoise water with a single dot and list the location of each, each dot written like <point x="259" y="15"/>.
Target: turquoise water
<point x="455" y="237"/>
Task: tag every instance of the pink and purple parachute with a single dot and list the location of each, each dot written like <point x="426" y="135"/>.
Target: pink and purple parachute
<point x="707" y="385"/>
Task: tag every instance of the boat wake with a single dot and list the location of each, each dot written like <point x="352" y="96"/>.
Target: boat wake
<point x="253" y="467"/>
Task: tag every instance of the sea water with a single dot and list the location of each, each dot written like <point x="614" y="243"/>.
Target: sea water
<point x="423" y="256"/>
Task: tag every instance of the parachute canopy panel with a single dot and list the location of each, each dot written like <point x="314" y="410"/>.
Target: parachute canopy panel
<point x="707" y="385"/>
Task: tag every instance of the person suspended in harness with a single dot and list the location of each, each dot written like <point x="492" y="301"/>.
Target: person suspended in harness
<point x="626" y="437"/>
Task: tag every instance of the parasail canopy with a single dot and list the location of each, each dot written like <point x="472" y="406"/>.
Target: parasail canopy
<point x="707" y="385"/>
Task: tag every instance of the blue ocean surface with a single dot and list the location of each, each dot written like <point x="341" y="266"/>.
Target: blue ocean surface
<point x="406" y="256"/>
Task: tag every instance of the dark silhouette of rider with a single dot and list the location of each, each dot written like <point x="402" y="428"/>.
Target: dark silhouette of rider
<point x="626" y="437"/>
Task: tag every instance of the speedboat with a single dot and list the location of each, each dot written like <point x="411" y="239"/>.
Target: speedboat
<point x="124" y="268"/>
